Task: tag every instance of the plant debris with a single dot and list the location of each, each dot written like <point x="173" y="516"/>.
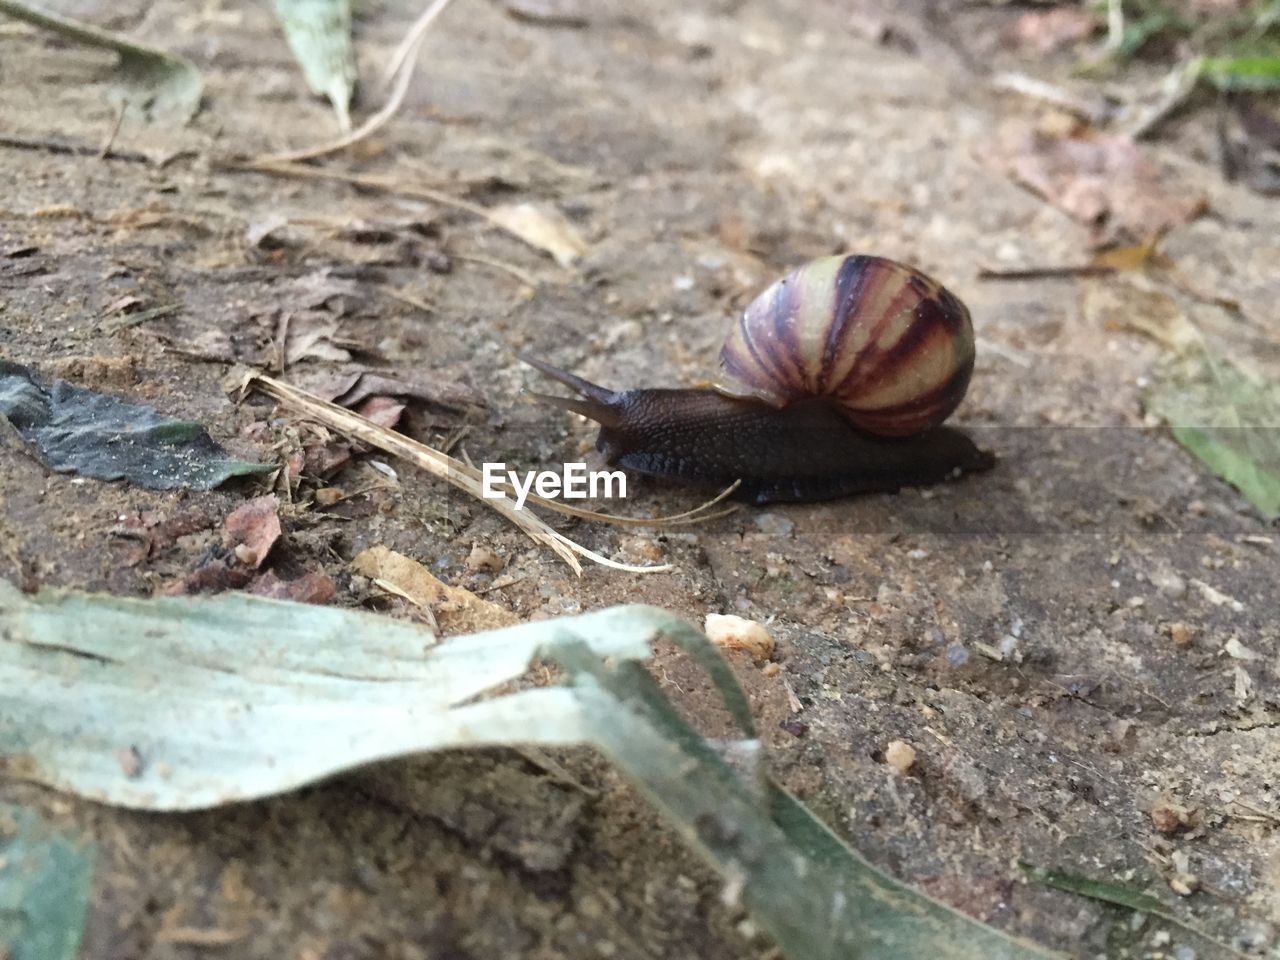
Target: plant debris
<point x="107" y="438"/>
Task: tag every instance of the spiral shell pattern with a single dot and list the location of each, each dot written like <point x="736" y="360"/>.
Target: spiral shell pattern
<point x="891" y="347"/>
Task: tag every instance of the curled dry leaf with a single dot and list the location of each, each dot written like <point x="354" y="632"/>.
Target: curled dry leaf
<point x="1107" y="182"/>
<point x="351" y="389"/>
<point x="457" y="610"/>
<point x="313" y="587"/>
<point x="543" y="227"/>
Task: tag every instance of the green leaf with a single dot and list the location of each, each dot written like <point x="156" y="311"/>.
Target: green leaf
<point x="319" y="34"/>
<point x="1122" y="896"/>
<point x="158" y="86"/>
<point x="1116" y="893"/>
<point x="180" y="703"/>
<point x="104" y="437"/>
<point x="45" y="879"/>
<point x="1227" y="418"/>
<point x="1242" y="73"/>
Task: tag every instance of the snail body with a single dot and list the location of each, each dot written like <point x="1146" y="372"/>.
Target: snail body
<point x="841" y="374"/>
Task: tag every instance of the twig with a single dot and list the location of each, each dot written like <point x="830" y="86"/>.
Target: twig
<point x="288" y="168"/>
<point x="408" y="298"/>
<point x="1046" y="273"/>
<point x="111" y="136"/>
<point x="70" y="148"/>
<point x="528" y="279"/>
<point x="404" y="60"/>
<point x="1091" y="110"/>
<point x="438" y="464"/>
<point x="408" y="49"/>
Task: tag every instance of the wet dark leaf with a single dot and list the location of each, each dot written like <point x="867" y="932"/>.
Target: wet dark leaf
<point x="108" y="438"/>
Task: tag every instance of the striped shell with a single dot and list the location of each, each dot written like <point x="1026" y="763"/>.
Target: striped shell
<point x="892" y="348"/>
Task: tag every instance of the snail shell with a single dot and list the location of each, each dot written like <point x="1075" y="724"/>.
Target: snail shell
<point x="891" y="348"/>
<point x="843" y="371"/>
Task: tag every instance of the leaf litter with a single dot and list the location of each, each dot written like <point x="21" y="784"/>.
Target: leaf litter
<point x="158" y="86"/>
<point x="1104" y="181"/>
<point x="107" y="438"/>
<point x="153" y="678"/>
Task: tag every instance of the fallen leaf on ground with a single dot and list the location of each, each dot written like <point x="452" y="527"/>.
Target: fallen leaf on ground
<point x="1106" y="182"/>
<point x="107" y="438"/>
<point x="349" y="390"/>
<point x="248" y="534"/>
<point x="157" y="86"/>
<point x="164" y="672"/>
<point x="456" y="609"/>
<point x="543" y="227"/>
<point x="1051" y="30"/>
<point x="148" y="532"/>
<point x="252" y="529"/>
<point x="314" y="336"/>
<point x="313" y="587"/>
<point x="383" y="411"/>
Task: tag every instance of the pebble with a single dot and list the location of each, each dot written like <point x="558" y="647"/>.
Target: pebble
<point x="900" y="755"/>
<point x="739" y="633"/>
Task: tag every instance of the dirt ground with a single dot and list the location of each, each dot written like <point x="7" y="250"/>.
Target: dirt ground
<point x="701" y="149"/>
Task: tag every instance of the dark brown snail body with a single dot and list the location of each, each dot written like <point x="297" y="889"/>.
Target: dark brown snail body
<point x="845" y="369"/>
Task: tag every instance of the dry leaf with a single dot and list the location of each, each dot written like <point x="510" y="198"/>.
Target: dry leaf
<point x="349" y="390"/>
<point x="313" y="587"/>
<point x="253" y="528"/>
<point x="456" y="609"/>
<point x="1107" y="182"/>
<point x="383" y="411"/>
<point x="543" y="227"/>
<point x="1051" y="30"/>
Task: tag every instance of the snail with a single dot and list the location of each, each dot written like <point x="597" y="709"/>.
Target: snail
<point x="842" y="373"/>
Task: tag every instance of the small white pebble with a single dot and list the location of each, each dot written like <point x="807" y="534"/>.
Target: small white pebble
<point x="738" y="633"/>
<point x="900" y="755"/>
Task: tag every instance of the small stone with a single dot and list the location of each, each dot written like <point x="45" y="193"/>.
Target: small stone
<point x="957" y="655"/>
<point x="328" y="496"/>
<point x="246" y="554"/>
<point x="739" y="633"/>
<point x="1181" y="634"/>
<point x="900" y="755"/>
